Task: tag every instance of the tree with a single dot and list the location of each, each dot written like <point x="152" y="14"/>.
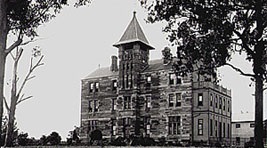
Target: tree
<point x="17" y="95"/>
<point x="54" y="138"/>
<point x="208" y="32"/>
<point x="20" y="19"/>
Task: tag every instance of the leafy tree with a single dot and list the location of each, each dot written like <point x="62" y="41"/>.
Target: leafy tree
<point x="20" y="20"/>
<point x="208" y="32"/>
<point x="54" y="138"/>
<point x="23" y="139"/>
<point x="43" y="140"/>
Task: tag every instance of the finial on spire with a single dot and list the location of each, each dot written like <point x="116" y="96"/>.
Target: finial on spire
<point x="134" y="12"/>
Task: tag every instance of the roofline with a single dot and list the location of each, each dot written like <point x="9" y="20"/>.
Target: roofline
<point x="132" y="41"/>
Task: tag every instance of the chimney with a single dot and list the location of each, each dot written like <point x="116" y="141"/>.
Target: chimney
<point x="114" y="64"/>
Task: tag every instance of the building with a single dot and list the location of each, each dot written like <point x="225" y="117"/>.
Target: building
<point x="144" y="98"/>
<point x="243" y="132"/>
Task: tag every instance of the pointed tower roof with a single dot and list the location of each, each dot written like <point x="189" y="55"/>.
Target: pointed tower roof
<point x="133" y="33"/>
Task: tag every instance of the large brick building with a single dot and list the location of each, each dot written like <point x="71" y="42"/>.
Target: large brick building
<point x="142" y="97"/>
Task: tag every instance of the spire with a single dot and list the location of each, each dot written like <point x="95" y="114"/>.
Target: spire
<point x="133" y="33"/>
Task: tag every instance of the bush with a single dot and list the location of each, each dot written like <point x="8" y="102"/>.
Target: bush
<point x="118" y="142"/>
<point x="54" y="138"/>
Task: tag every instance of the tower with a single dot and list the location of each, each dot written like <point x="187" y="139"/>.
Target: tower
<point x="133" y="59"/>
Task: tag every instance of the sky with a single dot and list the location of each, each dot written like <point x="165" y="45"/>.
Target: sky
<point x="77" y="42"/>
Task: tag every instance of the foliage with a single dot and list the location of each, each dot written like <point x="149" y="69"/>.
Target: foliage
<point x="54" y="138"/>
<point x="96" y="135"/>
<point x="207" y="33"/>
<point x="118" y="142"/>
<point x="23" y="139"/>
<point x="74" y="138"/>
<point x="4" y="129"/>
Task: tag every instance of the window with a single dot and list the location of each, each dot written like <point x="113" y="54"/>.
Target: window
<point x="148" y="129"/>
<point x="228" y="130"/>
<point x="220" y="103"/>
<point x="113" y="103"/>
<point x="113" y="127"/>
<point x="171" y="78"/>
<point x="114" y="85"/>
<point x="148" y="79"/>
<point x="216" y="127"/>
<point x="211" y="127"/>
<point x="178" y="99"/>
<point x="178" y="80"/>
<point x="148" y="102"/>
<point x="216" y="102"/>
<point x="224" y="130"/>
<point x="91" y="87"/>
<point x="171" y="100"/>
<point x="251" y="125"/>
<point x="174" y="125"/>
<point x="96" y="87"/>
<point x="200" y="126"/>
<point x="92" y="125"/>
<point x="200" y="99"/>
<point x="228" y="107"/>
<point x="237" y="140"/>
<point x="237" y="126"/>
<point x="211" y="100"/>
<point x="127" y="102"/>
<point x="224" y="103"/>
<point x="90" y="106"/>
<point x="96" y="105"/>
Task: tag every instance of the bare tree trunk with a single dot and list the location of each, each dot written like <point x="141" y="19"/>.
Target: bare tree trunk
<point x="3" y="38"/>
<point x="13" y="102"/>
<point x="258" y="131"/>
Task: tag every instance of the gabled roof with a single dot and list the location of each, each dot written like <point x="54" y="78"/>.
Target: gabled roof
<point x="133" y="33"/>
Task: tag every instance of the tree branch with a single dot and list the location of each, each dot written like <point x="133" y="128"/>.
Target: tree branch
<point x="28" y="76"/>
<point x="24" y="99"/>
<point x="6" y="104"/>
<point x="13" y="46"/>
<point x="239" y="70"/>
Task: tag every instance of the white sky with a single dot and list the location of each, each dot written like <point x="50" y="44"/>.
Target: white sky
<point x="74" y="44"/>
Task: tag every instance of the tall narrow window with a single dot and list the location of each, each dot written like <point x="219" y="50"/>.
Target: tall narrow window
<point x="200" y="126"/>
<point x="178" y="100"/>
<point x="90" y="106"/>
<point x="113" y="127"/>
<point x="96" y="105"/>
<point x="171" y="78"/>
<point x="127" y="102"/>
<point x="148" y="81"/>
<point x="211" y="100"/>
<point x="92" y="125"/>
<point x="200" y="99"/>
<point x="216" y="128"/>
<point x="211" y="127"/>
<point x="171" y="100"/>
<point x="113" y="104"/>
<point x="114" y="85"/>
<point x="223" y="129"/>
<point x="96" y="86"/>
<point x="148" y="102"/>
<point x="216" y="102"/>
<point x="174" y="125"/>
<point x="223" y="103"/>
<point x="178" y="80"/>
<point x="91" y="87"/>
<point x="220" y="103"/>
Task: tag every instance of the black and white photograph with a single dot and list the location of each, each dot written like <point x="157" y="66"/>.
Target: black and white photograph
<point x="133" y="73"/>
